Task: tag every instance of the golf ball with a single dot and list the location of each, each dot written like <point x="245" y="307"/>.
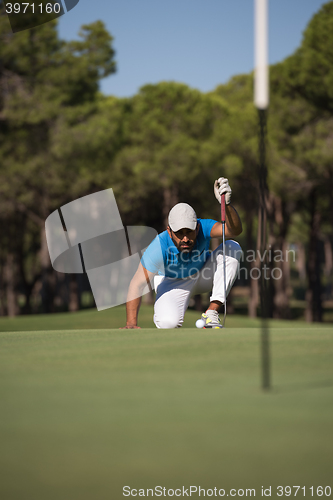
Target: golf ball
<point x="200" y="323"/>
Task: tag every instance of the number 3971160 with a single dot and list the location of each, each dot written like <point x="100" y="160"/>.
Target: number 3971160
<point x="293" y="491"/>
<point x="31" y="8"/>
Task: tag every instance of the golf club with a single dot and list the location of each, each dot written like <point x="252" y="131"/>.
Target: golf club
<point x="223" y="244"/>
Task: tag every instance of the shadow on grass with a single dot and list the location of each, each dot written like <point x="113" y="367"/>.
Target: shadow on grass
<point x="302" y="386"/>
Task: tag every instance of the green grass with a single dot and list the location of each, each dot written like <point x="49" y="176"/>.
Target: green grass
<point x="86" y="411"/>
<point x="116" y="318"/>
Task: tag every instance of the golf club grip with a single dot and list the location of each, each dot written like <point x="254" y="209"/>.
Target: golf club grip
<point x="223" y="208"/>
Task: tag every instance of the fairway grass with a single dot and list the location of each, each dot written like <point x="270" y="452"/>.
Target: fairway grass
<point x="116" y="318"/>
<point x="85" y="412"/>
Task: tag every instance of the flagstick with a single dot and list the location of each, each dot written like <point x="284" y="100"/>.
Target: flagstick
<point x="261" y="101"/>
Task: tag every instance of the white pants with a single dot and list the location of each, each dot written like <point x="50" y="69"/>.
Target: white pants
<point x="173" y="295"/>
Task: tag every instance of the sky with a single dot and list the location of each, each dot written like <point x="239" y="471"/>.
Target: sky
<point x="201" y="43"/>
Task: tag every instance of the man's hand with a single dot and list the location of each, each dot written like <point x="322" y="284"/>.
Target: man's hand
<point x="221" y="186"/>
<point x="130" y="327"/>
<point x="141" y="278"/>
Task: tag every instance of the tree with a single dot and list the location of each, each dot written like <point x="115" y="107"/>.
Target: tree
<point x="302" y="172"/>
<point x="239" y="134"/>
<point x="309" y="71"/>
<point x="43" y="80"/>
<point x="169" y="152"/>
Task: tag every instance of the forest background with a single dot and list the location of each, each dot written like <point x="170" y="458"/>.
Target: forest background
<point x="61" y="139"/>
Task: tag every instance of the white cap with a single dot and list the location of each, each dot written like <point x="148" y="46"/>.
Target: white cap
<point x="182" y="216"/>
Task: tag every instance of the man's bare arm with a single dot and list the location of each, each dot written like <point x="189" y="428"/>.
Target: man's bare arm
<point x="233" y="224"/>
<point x="137" y="285"/>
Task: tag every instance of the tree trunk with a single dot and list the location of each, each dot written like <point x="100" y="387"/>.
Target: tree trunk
<point x="279" y="285"/>
<point x="328" y="267"/>
<point x="286" y="270"/>
<point x="170" y="199"/>
<point x="27" y="305"/>
<point x="73" y="303"/>
<point x="230" y="303"/>
<point x="254" y="295"/>
<point x="255" y="275"/>
<point x="280" y="275"/>
<point x="314" y="309"/>
<point x="328" y="257"/>
<point x="254" y="290"/>
<point x="301" y="262"/>
<point x="48" y="276"/>
<point x="280" y="269"/>
<point x="2" y="286"/>
<point x="10" y="277"/>
<point x="2" y="303"/>
<point x="26" y="286"/>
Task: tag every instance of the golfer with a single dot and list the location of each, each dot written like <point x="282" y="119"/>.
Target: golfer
<point x="181" y="265"/>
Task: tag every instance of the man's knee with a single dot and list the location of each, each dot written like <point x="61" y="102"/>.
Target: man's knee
<point x="165" y="321"/>
<point x="233" y="249"/>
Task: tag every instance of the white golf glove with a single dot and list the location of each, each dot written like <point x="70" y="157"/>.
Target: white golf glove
<point x="221" y="186"/>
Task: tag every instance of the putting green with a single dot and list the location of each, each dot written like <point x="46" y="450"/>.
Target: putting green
<point x="116" y="318"/>
<point x="86" y="412"/>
